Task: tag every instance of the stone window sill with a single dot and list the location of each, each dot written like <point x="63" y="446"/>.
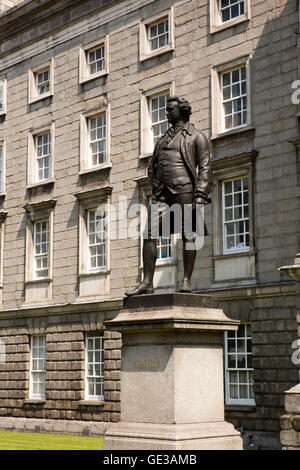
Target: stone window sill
<point x="42" y="183"/>
<point x="233" y="132"/>
<point x="228" y="24"/>
<point x="105" y="272"/>
<point x="145" y="156"/>
<point x="39" y="281"/>
<point x="240" y="407"/>
<point x="236" y="254"/>
<point x="35" y="99"/>
<point x="34" y="401"/>
<point x="106" y="166"/>
<point x="150" y="55"/>
<point x="89" y="78"/>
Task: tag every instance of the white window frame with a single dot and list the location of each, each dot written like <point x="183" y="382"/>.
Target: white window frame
<point x="32" y="163"/>
<point x="218" y="120"/>
<point x="96" y="141"/>
<point x="145" y="52"/>
<point x="3" y="215"/>
<point x="232" y="100"/>
<point x="39" y="372"/>
<point x="164" y="244"/>
<point x="3" y="85"/>
<point x="234" y="221"/>
<point x="2" y="167"/>
<point x="100" y="377"/>
<point x="85" y="152"/>
<point x="33" y="95"/>
<point x="40" y="256"/>
<point x="246" y="370"/>
<point x="240" y="266"/>
<point x="102" y="243"/>
<point x="216" y="23"/>
<point x="84" y="73"/>
<point x="147" y="141"/>
<point x="42" y="157"/>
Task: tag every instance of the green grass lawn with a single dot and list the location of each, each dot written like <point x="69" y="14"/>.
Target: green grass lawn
<point x="34" y="441"/>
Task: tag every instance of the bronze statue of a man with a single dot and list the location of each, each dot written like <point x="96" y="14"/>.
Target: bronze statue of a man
<point x="179" y="173"/>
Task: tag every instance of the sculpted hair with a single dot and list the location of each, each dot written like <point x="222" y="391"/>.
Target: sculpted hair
<point x="184" y="106"/>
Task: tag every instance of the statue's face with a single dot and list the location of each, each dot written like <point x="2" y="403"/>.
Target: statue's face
<point x="173" y="112"/>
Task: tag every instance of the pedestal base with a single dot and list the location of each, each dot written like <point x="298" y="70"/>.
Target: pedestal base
<point x="197" y="436"/>
<point x="172" y="375"/>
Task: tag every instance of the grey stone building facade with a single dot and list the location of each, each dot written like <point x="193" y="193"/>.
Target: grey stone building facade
<point x="83" y="86"/>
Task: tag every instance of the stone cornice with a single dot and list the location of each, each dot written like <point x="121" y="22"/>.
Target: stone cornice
<point x="62" y="309"/>
<point x="30" y="14"/>
<point x="40" y="206"/>
<point x="95" y="193"/>
<point x="233" y="160"/>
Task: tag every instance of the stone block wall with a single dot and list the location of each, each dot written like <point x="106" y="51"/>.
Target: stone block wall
<point x="65" y="365"/>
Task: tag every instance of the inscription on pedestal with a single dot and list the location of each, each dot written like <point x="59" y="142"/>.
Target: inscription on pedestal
<point x="146" y="364"/>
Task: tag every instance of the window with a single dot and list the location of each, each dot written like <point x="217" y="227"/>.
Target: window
<point x="2" y="97"/>
<point x="37" y="367"/>
<point x="230" y="9"/>
<point x="94" y="389"/>
<point x="41" y="82"/>
<point x="234" y="98"/>
<point x="94" y="242"/>
<point x="159" y="122"/>
<point x="154" y="122"/>
<point x="2" y="167"/>
<point x="157" y="35"/>
<point x="164" y="247"/>
<point x="97" y="140"/>
<point x="41" y="249"/>
<point x="43" y="156"/>
<point x="235" y="198"/>
<point x="96" y="238"/>
<point x="93" y="60"/>
<point x="227" y="13"/>
<point x="233" y="226"/>
<point x="238" y="366"/>
<point x="231" y="99"/>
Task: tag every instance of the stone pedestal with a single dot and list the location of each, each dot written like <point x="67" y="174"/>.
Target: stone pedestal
<point x="290" y="422"/>
<point x="172" y="375"/>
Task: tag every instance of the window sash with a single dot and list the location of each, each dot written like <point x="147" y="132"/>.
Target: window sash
<point x="159" y="121"/>
<point x="95" y="59"/>
<point x="234" y="98"/>
<point x="2" y="97"/>
<point x="230" y="9"/>
<point x="158" y="34"/>
<point x="238" y="366"/>
<point x="41" y="249"/>
<point x="164" y="249"/>
<point x="235" y="215"/>
<point x="97" y="140"/>
<point x="38" y="366"/>
<point x="95" y="367"/>
<point x="43" y="156"/>
<point x="96" y="236"/>
<point x="42" y="82"/>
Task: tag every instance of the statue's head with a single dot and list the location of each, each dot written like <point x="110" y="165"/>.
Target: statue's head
<point x="178" y="109"/>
